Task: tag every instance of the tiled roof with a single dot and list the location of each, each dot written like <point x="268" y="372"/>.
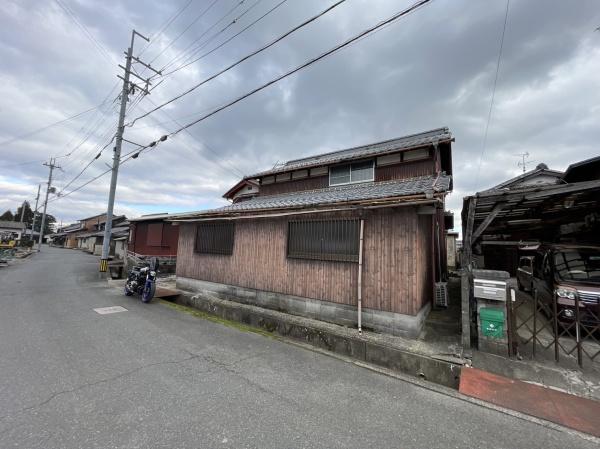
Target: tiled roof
<point x="11" y="224"/>
<point x="335" y="195"/>
<point x="387" y="146"/>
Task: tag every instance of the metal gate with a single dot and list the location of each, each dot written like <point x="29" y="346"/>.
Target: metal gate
<point x="540" y="330"/>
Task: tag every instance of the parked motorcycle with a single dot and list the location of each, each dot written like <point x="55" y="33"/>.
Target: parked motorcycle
<point x="142" y="280"/>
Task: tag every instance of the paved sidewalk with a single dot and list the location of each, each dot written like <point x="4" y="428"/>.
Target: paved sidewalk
<point x="561" y="408"/>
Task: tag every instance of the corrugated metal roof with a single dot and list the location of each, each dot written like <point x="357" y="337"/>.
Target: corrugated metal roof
<point x="335" y="195"/>
<point x="387" y="146"/>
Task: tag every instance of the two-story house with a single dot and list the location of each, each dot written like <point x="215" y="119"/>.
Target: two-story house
<point x="356" y="234"/>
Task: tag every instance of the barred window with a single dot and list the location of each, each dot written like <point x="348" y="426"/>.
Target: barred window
<point x="215" y="237"/>
<point x="324" y="239"/>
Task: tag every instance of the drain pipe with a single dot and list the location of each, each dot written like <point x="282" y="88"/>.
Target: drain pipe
<point x="360" y="264"/>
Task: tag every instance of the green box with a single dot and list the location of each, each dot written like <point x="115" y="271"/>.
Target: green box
<point x="492" y="322"/>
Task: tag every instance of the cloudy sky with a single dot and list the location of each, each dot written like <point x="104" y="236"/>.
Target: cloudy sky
<point x="433" y="68"/>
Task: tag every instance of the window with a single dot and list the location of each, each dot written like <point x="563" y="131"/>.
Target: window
<point x="215" y="237"/>
<point x="350" y="173"/>
<point x="324" y="239"/>
<point x="154" y="235"/>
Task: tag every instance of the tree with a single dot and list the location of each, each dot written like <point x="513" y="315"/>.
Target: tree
<point x="48" y="224"/>
<point x="27" y="216"/>
<point x="8" y="216"/>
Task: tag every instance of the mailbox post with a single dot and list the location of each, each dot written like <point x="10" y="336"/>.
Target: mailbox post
<point x="489" y="290"/>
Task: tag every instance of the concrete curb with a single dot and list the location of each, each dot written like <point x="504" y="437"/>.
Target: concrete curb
<point x="331" y="337"/>
<point x="447" y="392"/>
<point x="419" y="381"/>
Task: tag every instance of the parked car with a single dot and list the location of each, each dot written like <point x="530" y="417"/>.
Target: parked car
<point x="567" y="271"/>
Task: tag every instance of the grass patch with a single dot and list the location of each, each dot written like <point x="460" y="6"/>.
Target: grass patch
<point x="215" y="319"/>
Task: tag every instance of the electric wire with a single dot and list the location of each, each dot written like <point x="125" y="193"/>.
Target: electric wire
<point x="250" y="25"/>
<point x="239" y="61"/>
<point x="84" y="29"/>
<point x="164" y="27"/>
<point x="184" y="31"/>
<point x="43" y="128"/>
<point x="211" y="38"/>
<point x="310" y="62"/>
<point x="489" y="116"/>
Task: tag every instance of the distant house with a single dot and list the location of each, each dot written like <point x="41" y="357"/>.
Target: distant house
<point x="12" y="230"/>
<point x="314" y="235"/>
<point x="92" y="241"/>
<point x="153" y="236"/>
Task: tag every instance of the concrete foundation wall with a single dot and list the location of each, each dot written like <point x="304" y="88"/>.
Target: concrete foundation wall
<point x="378" y="320"/>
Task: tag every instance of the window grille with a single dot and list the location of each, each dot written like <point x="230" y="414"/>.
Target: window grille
<point x="215" y="237"/>
<point x="324" y="239"/>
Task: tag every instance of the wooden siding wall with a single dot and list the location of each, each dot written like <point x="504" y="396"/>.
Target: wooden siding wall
<point x="298" y="185"/>
<point x="170" y="238"/>
<point x="397" y="261"/>
<point x="405" y="170"/>
<point x="383" y="173"/>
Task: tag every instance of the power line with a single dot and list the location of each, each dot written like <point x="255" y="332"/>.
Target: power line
<point x="184" y="31"/>
<point x="250" y="25"/>
<point x="201" y="45"/>
<point x="83" y="28"/>
<point x="329" y="52"/>
<point x="43" y="128"/>
<point x="238" y="62"/>
<point x="489" y="117"/>
<point x="166" y="25"/>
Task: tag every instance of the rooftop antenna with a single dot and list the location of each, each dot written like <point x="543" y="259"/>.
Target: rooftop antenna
<point x="523" y="162"/>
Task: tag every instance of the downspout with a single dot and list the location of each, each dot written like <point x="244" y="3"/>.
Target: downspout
<point x="360" y="264"/>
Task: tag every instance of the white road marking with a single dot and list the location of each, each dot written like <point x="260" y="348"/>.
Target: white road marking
<point x="107" y="310"/>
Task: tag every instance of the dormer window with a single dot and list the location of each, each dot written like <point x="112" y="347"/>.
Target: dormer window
<point x="351" y="173"/>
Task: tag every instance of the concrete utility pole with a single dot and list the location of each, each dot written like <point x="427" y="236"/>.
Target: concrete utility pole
<point x="22" y="211"/>
<point x="35" y="210"/>
<point x="52" y="167"/>
<point x="127" y="88"/>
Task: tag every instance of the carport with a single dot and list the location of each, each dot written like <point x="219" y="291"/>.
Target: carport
<point x="497" y="223"/>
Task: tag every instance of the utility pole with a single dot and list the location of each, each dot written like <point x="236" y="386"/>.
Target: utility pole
<point x="52" y="166"/>
<point x="22" y="211"/>
<point x="127" y="88"/>
<point x="35" y="210"/>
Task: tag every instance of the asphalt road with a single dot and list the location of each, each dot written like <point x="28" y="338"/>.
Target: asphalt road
<point x="153" y="377"/>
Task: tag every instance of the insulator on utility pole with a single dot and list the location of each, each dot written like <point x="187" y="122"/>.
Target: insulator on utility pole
<point x="127" y="86"/>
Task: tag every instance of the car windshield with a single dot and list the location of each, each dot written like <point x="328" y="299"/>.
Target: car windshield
<point x="578" y="265"/>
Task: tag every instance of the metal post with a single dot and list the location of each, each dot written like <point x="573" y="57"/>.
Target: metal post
<point x="117" y="156"/>
<point x="360" y="265"/>
<point x="52" y="166"/>
<point x="35" y="211"/>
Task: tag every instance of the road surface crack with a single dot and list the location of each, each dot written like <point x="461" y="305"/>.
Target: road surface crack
<point x="92" y="384"/>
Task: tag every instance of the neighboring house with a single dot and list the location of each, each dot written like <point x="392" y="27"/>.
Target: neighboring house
<point x="541" y="205"/>
<point x="92" y="241"/>
<point x="153" y="236"/>
<point x="541" y="175"/>
<point x="14" y="229"/>
<point x="65" y="234"/>
<point x="296" y="244"/>
<point x="242" y="191"/>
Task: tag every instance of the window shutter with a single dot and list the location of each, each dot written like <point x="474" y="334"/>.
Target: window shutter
<point x="154" y="236"/>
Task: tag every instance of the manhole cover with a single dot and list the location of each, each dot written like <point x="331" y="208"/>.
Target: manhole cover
<point x="107" y="310"/>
